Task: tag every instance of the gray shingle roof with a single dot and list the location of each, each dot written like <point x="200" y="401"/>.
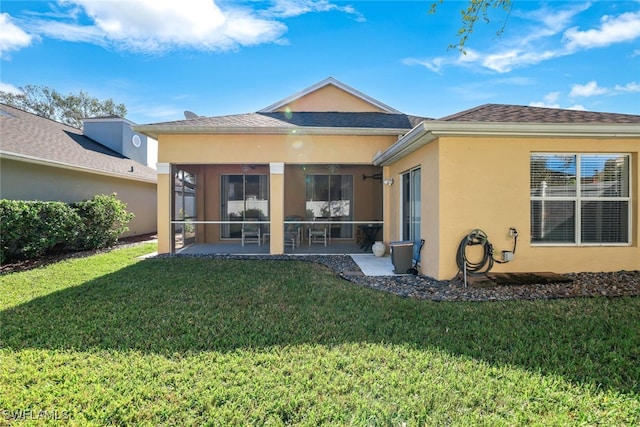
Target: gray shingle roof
<point x="305" y="119"/>
<point x="523" y="114"/>
<point x="26" y="134"/>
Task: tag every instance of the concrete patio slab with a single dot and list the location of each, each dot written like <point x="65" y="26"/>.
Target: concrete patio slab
<point x="372" y="265"/>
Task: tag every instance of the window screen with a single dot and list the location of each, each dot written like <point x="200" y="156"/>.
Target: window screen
<point x="580" y="198"/>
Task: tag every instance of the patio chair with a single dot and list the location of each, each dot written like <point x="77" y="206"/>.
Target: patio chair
<point x="250" y="233"/>
<point x="318" y="234"/>
<point x="292" y="232"/>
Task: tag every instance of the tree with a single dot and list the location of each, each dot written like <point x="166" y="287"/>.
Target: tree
<point x="70" y="109"/>
<point x="475" y="10"/>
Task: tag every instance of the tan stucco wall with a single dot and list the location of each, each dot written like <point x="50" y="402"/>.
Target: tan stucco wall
<point x="484" y="183"/>
<point x="427" y="159"/>
<point x="29" y="181"/>
<point x="330" y="98"/>
<point x="293" y="148"/>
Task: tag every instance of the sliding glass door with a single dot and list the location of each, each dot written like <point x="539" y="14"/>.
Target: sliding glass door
<point x="244" y="198"/>
<point x="411" y="208"/>
<point x="330" y="198"/>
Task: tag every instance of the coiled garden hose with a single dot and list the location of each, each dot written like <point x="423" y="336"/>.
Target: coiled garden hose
<point x="476" y="237"/>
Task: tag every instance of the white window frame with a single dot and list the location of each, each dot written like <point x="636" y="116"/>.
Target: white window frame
<point x="578" y="199"/>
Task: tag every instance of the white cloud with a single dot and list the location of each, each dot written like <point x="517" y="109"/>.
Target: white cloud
<point x="548" y="22"/>
<point x="587" y="90"/>
<point x="160" y="25"/>
<point x="550" y="100"/>
<point x="612" y="29"/>
<point x="506" y="61"/>
<point x="577" y="107"/>
<point x="541" y="41"/>
<point x="155" y="26"/>
<point x="289" y="8"/>
<point x="593" y="89"/>
<point x="434" y="64"/>
<point x="12" y="37"/>
<point x="632" y="87"/>
<point x="543" y="104"/>
<point x="552" y="97"/>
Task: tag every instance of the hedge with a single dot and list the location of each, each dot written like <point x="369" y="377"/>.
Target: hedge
<point x="31" y="229"/>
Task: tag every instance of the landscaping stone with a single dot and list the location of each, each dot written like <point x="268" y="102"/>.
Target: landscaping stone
<point x="616" y="284"/>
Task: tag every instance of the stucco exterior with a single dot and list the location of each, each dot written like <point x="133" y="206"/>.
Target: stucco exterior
<point x="472" y="174"/>
<point x="483" y="183"/>
<point x="29" y="181"/>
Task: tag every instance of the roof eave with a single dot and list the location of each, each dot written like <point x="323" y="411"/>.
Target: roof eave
<point x="155" y="130"/>
<point x="69" y="166"/>
<point x="427" y="131"/>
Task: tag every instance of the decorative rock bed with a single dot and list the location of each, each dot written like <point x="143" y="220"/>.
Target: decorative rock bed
<point x="621" y="283"/>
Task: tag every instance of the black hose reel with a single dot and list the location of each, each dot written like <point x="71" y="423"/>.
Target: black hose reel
<point x="479" y="268"/>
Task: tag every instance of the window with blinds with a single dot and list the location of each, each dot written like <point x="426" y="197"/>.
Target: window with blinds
<point x="581" y="199"/>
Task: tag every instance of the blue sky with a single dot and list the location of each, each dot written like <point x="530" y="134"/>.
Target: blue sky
<point x="213" y="57"/>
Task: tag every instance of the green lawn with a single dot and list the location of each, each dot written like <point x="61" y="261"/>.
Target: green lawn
<point x="110" y="339"/>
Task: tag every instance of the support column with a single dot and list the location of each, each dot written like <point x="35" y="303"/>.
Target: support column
<point x="276" y="211"/>
<point x="164" y="207"/>
<point x="387" y="205"/>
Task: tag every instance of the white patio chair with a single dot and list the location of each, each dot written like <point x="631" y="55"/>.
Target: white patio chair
<point x="318" y="234"/>
<point x="250" y="233"/>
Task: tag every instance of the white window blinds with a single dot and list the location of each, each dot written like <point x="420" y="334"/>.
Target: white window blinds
<point x="580" y="198"/>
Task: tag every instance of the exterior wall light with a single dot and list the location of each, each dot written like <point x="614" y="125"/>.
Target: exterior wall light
<point x="388" y="181"/>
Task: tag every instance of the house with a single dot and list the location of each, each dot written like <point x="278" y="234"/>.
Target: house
<point x="565" y="183"/>
<point x="41" y="159"/>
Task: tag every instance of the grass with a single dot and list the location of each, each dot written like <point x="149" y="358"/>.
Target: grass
<point x="110" y="339"/>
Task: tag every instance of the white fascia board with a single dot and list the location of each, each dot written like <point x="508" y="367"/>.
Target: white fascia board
<point x="155" y="130"/>
<point x="583" y="130"/>
<point x="69" y="166"/>
<point x="427" y="131"/>
<point x="410" y="142"/>
<point x="328" y="81"/>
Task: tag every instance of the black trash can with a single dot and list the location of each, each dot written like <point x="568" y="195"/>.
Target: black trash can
<point x="401" y="256"/>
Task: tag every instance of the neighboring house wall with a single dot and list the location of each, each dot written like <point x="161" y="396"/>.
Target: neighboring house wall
<point x="474" y="182"/>
<point x="116" y="133"/>
<point x="30" y="181"/>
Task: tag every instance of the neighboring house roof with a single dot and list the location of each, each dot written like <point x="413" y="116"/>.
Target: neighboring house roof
<point x="31" y="138"/>
<point x="524" y="114"/>
<point x="326" y="82"/>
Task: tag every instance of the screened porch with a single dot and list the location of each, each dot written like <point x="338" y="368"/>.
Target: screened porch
<point x="322" y="208"/>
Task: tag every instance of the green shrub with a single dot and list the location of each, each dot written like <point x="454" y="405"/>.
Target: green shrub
<point x="104" y="219"/>
<point x="30" y="229"/>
